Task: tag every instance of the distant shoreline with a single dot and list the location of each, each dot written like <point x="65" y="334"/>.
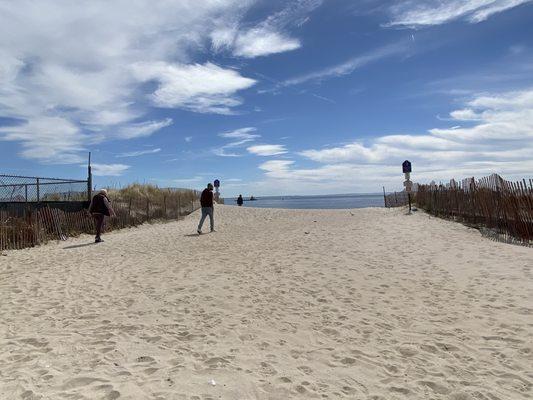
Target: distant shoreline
<point x="319" y="202"/>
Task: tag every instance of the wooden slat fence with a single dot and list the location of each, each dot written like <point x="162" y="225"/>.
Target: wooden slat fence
<point x="499" y="206"/>
<point x="396" y="199"/>
<point x="38" y="225"/>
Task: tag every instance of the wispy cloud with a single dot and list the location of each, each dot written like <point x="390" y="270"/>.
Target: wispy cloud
<point x="275" y="168"/>
<point x="195" y="179"/>
<point x="349" y="66"/>
<point x="39" y="136"/>
<point x="267" y="149"/>
<point x="242" y="133"/>
<point x="267" y="37"/>
<point x="436" y="12"/>
<point x="241" y="136"/>
<point x="142" y="129"/>
<point x="108" y="169"/>
<point x="138" y="153"/>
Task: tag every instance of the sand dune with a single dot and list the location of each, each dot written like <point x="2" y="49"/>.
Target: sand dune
<point x="278" y="304"/>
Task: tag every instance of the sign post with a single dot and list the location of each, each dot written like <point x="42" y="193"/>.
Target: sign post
<point x="216" y="184"/>
<point x="406" y="168"/>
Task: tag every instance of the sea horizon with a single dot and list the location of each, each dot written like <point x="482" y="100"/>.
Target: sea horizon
<point x="321" y="201"/>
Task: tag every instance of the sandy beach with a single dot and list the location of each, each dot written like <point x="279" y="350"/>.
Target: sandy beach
<point x="277" y="304"/>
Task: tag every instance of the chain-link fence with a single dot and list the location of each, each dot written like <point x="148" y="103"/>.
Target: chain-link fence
<point x="35" y="189"/>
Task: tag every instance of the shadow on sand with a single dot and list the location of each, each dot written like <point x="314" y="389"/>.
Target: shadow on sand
<point x="196" y="234"/>
<point x="75" y="246"/>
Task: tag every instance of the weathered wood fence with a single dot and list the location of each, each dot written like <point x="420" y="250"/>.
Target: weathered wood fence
<point x="25" y="225"/>
<point x="503" y="207"/>
<point x="396" y="199"/>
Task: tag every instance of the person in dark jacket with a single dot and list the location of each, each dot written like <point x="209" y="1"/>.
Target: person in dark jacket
<point x="206" y="201"/>
<point x="100" y="208"/>
<point x="240" y="200"/>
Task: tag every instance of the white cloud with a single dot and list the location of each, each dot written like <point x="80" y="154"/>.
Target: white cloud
<point x="195" y="179"/>
<point x="434" y="12"/>
<point x="49" y="139"/>
<point x="267" y="149"/>
<point x="347" y="153"/>
<point x="205" y="88"/>
<point x="276" y="167"/>
<point x="267" y="37"/>
<point x="85" y="65"/>
<point x="255" y="42"/>
<point x="241" y="136"/>
<point x="108" y="169"/>
<point x="142" y="129"/>
<point x="498" y="138"/>
<point x="188" y="139"/>
<point x="242" y="133"/>
<point x="138" y="153"/>
<point x="221" y="152"/>
<point x="260" y="42"/>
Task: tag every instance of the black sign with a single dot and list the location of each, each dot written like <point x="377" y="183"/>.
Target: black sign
<point x="406" y="166"/>
<point x="216" y="183"/>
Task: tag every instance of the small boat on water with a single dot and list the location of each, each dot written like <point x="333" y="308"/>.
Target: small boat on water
<point x="252" y="198"/>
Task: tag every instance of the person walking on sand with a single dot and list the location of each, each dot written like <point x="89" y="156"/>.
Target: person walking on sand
<point x="206" y="201"/>
<point x="100" y="208"/>
<point x="240" y="200"/>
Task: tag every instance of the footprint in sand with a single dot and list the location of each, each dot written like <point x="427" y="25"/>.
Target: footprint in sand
<point x="305" y="369"/>
<point x="81" y="381"/>
<point x="145" y="359"/>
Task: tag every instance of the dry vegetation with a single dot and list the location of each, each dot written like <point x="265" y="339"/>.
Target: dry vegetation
<point x="152" y="193"/>
<point x="134" y="205"/>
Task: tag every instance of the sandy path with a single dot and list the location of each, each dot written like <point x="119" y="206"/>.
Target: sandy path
<point x="278" y="304"/>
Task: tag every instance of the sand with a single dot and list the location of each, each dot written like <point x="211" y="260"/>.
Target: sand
<point x="277" y="304"/>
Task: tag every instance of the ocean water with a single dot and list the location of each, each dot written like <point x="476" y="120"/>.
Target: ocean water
<point x="340" y="201"/>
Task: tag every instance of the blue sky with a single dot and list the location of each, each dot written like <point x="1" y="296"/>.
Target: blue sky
<point x="270" y="97"/>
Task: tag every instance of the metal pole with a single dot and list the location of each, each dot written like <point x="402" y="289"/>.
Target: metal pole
<point x="409" y="197"/>
<point x="26" y="192"/>
<point x="38" y="194"/>
<point x="384" y="197"/>
<point x="89" y="180"/>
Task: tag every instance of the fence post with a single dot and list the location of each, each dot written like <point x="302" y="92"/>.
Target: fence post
<point x="384" y="197"/>
<point x="165" y="205"/>
<point x="26" y="192"/>
<point x="38" y="194"/>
